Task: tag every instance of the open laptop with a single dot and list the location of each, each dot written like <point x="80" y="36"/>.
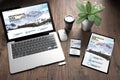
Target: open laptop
<point x="26" y="28"/>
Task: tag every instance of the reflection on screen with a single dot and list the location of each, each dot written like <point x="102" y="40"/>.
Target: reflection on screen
<point x="27" y="21"/>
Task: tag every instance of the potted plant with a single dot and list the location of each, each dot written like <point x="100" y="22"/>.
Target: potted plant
<point x="89" y="14"/>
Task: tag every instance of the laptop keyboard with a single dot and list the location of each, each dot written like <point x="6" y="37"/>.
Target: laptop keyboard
<point x="35" y="45"/>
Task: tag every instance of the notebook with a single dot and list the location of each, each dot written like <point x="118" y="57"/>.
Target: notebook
<point x="31" y="37"/>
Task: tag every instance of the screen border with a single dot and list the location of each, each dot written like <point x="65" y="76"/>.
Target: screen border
<point x="28" y="36"/>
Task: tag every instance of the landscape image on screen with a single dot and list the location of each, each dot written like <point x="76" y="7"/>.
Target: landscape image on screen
<point x="28" y="20"/>
<point x="100" y="44"/>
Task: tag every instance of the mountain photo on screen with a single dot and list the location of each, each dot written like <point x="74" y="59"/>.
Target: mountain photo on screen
<point x="28" y="20"/>
<point x="101" y="44"/>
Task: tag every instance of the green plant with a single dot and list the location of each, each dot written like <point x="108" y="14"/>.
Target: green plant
<point x="89" y="11"/>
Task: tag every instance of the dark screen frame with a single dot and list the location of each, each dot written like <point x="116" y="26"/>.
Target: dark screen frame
<point x="28" y="36"/>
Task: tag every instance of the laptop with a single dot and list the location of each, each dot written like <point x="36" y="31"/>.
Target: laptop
<point x="27" y="28"/>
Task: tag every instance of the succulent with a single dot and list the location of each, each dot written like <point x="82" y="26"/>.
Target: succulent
<point x="89" y="11"/>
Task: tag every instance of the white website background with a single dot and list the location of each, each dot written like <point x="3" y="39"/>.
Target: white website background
<point x="26" y="21"/>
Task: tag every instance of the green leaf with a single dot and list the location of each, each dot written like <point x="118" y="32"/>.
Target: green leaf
<point x="81" y="19"/>
<point x="97" y="20"/>
<point x="95" y="10"/>
<point x="82" y="14"/>
<point x="91" y="18"/>
<point x="88" y="7"/>
<point x="81" y="7"/>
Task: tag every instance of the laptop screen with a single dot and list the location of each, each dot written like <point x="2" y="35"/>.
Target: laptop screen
<point x="27" y="21"/>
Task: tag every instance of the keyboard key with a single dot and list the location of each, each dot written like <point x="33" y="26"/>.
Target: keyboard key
<point x="32" y="46"/>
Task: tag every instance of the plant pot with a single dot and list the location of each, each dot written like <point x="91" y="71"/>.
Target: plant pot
<point x="86" y="25"/>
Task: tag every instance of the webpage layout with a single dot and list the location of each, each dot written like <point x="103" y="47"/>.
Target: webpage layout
<point x="27" y="21"/>
<point x="98" y="53"/>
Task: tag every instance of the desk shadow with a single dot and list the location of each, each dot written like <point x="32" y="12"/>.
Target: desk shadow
<point x="115" y="4"/>
<point x="85" y="36"/>
<point x="6" y="4"/>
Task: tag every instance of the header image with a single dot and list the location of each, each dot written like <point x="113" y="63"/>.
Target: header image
<point x="34" y="16"/>
<point x="101" y="44"/>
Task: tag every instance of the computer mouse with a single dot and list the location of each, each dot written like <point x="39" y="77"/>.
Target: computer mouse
<point x="62" y="34"/>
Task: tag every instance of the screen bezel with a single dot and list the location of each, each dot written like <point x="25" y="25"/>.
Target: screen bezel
<point x="28" y="36"/>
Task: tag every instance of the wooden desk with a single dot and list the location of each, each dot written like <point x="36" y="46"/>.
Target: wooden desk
<point x="72" y="70"/>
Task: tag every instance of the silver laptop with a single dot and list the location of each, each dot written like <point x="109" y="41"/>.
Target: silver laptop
<point x="31" y="36"/>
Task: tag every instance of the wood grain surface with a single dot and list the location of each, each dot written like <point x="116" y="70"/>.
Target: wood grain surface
<point x="73" y="70"/>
